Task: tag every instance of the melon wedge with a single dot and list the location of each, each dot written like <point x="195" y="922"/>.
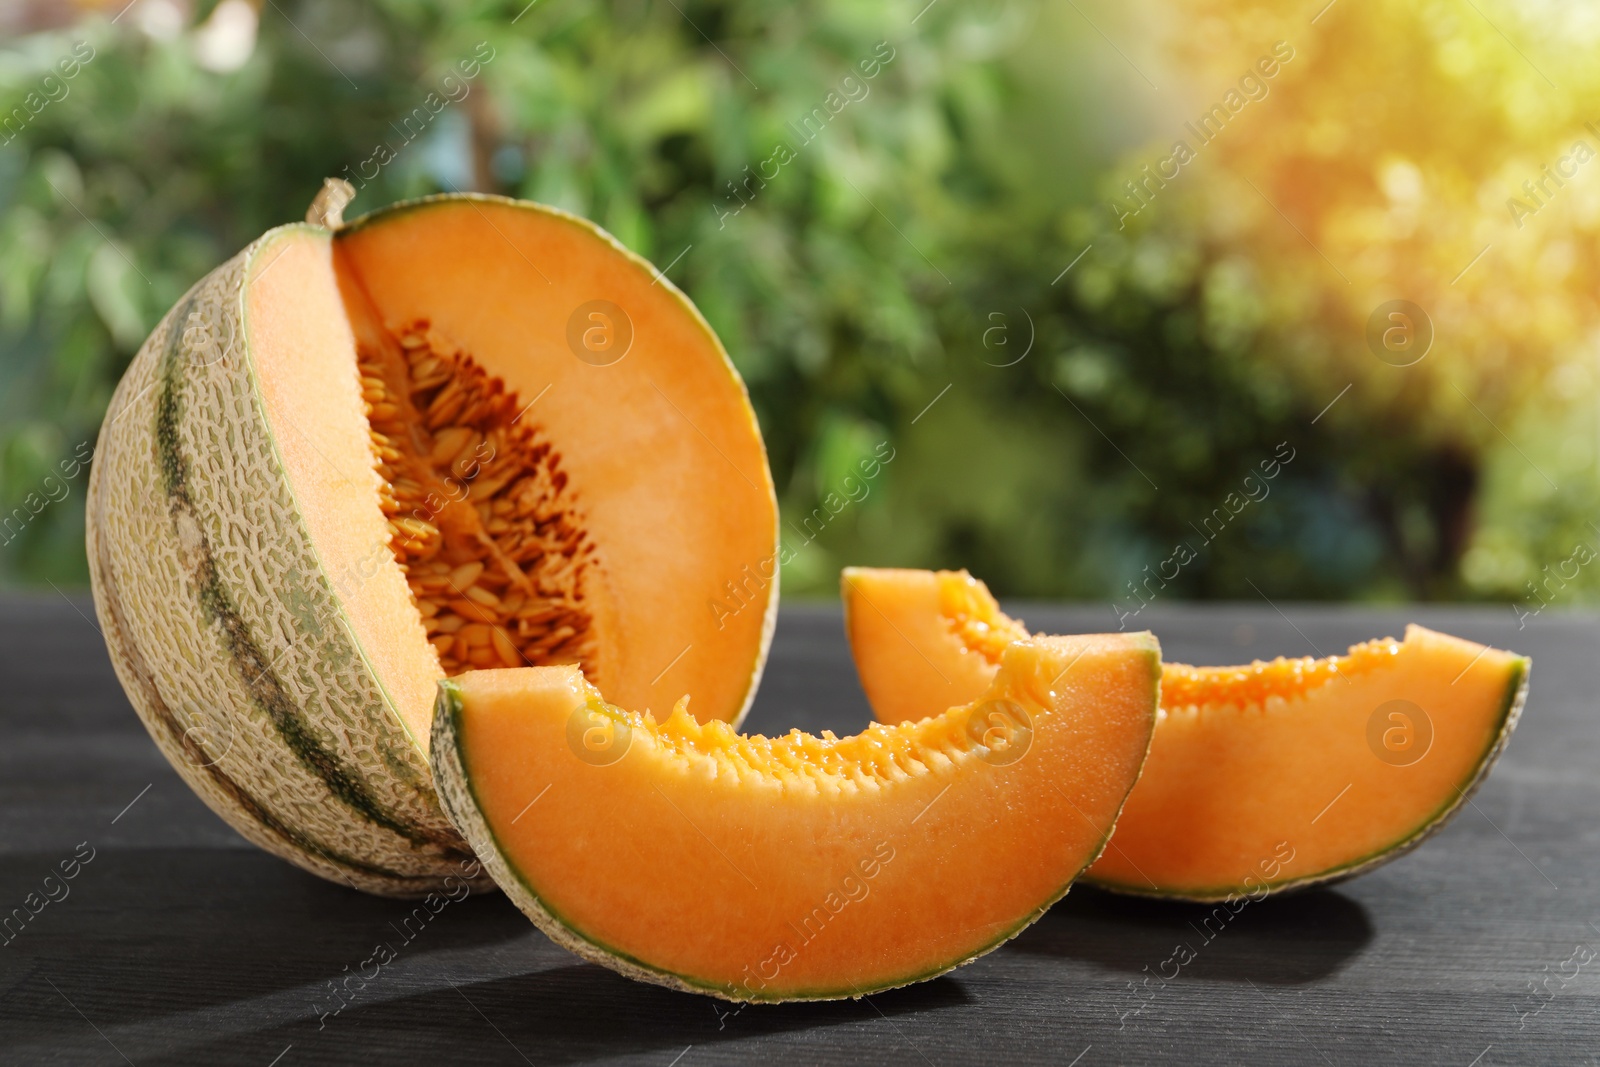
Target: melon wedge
<point x="797" y="867"/>
<point x="1262" y="777"/>
<point x="922" y="640"/>
<point x="458" y="433"/>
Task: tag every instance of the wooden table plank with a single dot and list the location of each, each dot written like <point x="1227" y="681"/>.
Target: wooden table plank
<point x="179" y="943"/>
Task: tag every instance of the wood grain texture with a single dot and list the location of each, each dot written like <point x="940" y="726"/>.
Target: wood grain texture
<point x="180" y="943"/>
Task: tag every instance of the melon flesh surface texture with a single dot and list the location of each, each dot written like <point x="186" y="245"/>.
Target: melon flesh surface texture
<point x="351" y="462"/>
<point x="1261" y="777"/>
<point x="796" y="867"/>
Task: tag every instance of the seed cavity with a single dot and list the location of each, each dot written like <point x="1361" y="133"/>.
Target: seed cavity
<point x="1253" y="684"/>
<point x="482" y="519"/>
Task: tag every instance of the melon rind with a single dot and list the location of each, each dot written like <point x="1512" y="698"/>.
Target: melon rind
<point x="224" y="628"/>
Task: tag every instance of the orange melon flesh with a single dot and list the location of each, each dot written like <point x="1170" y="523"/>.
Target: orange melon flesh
<point x="797" y="867"/>
<point x="922" y="640"/>
<point x="663" y="448"/>
<point x="1260" y="777"/>
<point x="657" y="453"/>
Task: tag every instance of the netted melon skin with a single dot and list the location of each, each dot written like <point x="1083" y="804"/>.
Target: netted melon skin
<point x="223" y="625"/>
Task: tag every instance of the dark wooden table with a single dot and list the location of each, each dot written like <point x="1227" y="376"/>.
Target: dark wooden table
<point x="179" y="943"/>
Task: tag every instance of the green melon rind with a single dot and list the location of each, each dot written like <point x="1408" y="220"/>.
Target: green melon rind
<point x="770" y="618"/>
<point x="219" y="791"/>
<point x="1511" y="711"/>
<point x="403" y="766"/>
<point x="461" y="804"/>
<point x="309" y="742"/>
<point x="187" y="502"/>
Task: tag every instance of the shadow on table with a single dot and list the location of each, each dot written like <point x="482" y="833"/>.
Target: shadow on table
<point x="578" y="1013"/>
<point x="219" y="955"/>
<point x="1283" y="940"/>
<point x="148" y="931"/>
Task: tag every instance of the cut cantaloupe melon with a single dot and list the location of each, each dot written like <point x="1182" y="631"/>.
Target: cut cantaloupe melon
<point x="796" y="867"/>
<point x="1261" y="777"/>
<point x="458" y="433"/>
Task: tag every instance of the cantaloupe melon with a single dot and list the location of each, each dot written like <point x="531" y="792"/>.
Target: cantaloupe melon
<point x="797" y="867"/>
<point x="458" y="433"/>
<point x="1261" y="777"/>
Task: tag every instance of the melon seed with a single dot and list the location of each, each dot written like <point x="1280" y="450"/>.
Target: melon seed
<point x="504" y="647"/>
<point x="466" y="576"/>
<point x="526" y="531"/>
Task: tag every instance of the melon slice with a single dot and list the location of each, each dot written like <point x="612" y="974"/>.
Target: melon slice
<point x="458" y="433"/>
<point x="1262" y="777"/>
<point x="922" y="640"/>
<point x="797" y="867"/>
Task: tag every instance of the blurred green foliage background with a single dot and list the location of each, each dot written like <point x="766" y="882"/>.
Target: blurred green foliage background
<point x="1069" y="396"/>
